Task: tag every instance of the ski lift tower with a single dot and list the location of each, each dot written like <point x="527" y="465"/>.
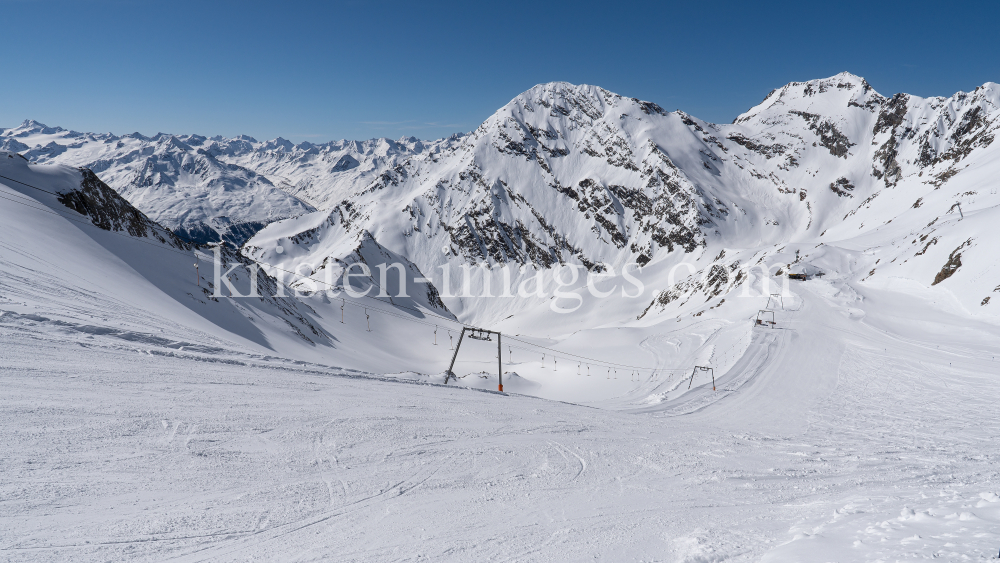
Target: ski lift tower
<point x="762" y="318"/>
<point x="702" y="368"/>
<point x="477" y="334"/>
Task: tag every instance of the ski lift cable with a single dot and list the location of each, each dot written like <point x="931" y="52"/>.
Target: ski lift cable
<point x="598" y="363"/>
<point x="601" y="363"/>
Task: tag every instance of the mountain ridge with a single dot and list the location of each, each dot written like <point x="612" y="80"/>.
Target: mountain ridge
<point x="577" y="174"/>
<point x="208" y="189"/>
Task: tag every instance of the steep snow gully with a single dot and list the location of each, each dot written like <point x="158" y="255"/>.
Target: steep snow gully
<point x="146" y="418"/>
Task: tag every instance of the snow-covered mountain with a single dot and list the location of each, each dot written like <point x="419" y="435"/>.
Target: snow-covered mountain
<point x="322" y="174"/>
<point x="579" y="175"/>
<point x="210" y="189"/>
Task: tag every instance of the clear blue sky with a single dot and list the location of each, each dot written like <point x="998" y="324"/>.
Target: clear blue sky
<point x="358" y="69"/>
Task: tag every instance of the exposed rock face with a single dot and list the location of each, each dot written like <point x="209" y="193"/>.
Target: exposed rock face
<point x="842" y="187"/>
<point x="111" y="212"/>
<point x="950" y="267"/>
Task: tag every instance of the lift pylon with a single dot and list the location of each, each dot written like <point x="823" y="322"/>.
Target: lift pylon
<point x="702" y="368"/>
<point x="477" y="334"/>
<point x="762" y="318"/>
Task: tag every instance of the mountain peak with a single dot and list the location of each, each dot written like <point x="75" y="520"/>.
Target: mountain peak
<point x="32" y="126"/>
<point x="848" y="76"/>
<point x="841" y="89"/>
<point x="279" y="144"/>
<point x="559" y="93"/>
<point x="546" y="104"/>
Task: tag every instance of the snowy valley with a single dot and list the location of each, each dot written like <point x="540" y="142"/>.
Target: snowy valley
<point x="771" y="340"/>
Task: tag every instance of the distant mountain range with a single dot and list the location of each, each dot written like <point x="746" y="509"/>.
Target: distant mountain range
<point x="577" y="174"/>
<point x="211" y="189"/>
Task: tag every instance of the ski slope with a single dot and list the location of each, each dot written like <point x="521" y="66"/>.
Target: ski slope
<point x="848" y="442"/>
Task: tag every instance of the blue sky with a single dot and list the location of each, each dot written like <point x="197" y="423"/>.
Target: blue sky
<point x="318" y="71"/>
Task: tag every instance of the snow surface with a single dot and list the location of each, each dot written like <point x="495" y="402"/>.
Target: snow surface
<point x="146" y="419"/>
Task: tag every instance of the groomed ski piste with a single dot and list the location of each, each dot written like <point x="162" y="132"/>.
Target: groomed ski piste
<point x="145" y="419"/>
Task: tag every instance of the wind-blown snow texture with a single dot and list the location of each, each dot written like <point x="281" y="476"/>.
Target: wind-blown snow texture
<point x="147" y="419"/>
